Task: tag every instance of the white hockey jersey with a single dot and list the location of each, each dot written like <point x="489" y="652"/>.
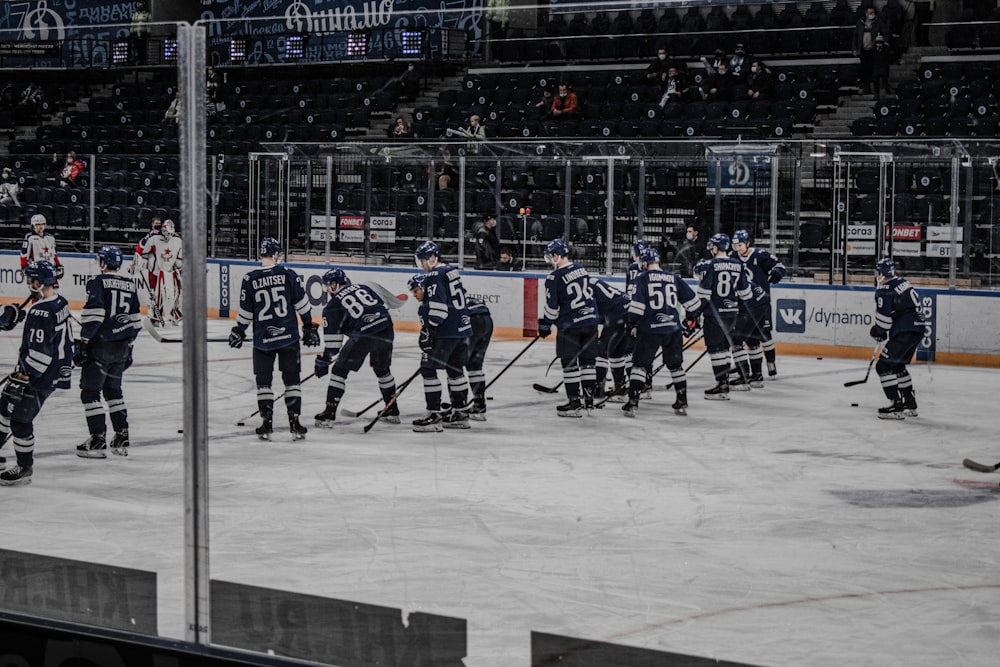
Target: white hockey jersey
<point x="35" y="248"/>
<point x="163" y="254"/>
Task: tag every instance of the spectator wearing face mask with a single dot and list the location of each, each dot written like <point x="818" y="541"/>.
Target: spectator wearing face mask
<point x="760" y="86"/>
<point x="656" y="72"/>
<point x="691" y="252"/>
<point x="674" y="88"/>
<point x="867" y="30"/>
<point x="68" y="171"/>
<point x="739" y="64"/>
<point x="565" y="105"/>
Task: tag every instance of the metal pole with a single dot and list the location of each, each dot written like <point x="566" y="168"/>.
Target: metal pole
<point x="610" y="218"/>
<point x="774" y="204"/>
<point x="327" y="222"/>
<point x="953" y="223"/>
<point x="191" y="44"/>
<point x="93" y="200"/>
<point x="461" y="211"/>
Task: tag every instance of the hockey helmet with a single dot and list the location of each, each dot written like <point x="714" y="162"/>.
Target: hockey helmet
<point x="415" y="281"/>
<point x="741" y="236"/>
<point x="42" y="270"/>
<point x="336" y="277"/>
<point x="638" y="246"/>
<point x="556" y="247"/>
<point x="701" y="267"/>
<point x="719" y="241"/>
<point x="38" y="219"/>
<point x="885" y="267"/>
<point x="649" y="256"/>
<point x="168" y="229"/>
<point x="425" y="251"/>
<point x="269" y="247"/>
<point x="111" y="255"/>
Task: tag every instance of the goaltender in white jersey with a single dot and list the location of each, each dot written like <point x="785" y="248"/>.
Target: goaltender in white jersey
<point x="163" y="259"/>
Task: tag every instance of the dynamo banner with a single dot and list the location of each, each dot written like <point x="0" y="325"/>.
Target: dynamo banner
<point x="743" y="169"/>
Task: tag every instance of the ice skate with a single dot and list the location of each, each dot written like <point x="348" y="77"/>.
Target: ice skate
<point x="477" y="412"/>
<point x="95" y="447"/>
<point x="429" y="423"/>
<point x="757" y="381"/>
<point x="772" y="370"/>
<point x="298" y="430"/>
<point x="455" y="418"/>
<point x="570" y="409"/>
<point x="265" y="430"/>
<point x="893" y="411"/>
<point x="719" y="392"/>
<point x="391" y="415"/>
<point x="120" y="443"/>
<point x="16" y="476"/>
<point x="618" y="395"/>
<point x="681" y="404"/>
<point x="326" y="418"/>
<point x="631" y="406"/>
<point x="740" y="383"/>
<point x="910" y="404"/>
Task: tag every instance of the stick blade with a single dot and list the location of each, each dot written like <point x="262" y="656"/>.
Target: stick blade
<point x="854" y="383"/>
<point x="979" y="467"/>
<point x="544" y="389"/>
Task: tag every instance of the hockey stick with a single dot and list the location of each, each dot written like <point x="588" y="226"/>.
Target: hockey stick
<point x="511" y="363"/>
<point x="243" y="422"/>
<point x="392" y="401"/>
<point x="153" y="331"/>
<point x="601" y="403"/>
<point x="875" y="353"/>
<point x="687" y="345"/>
<point x="548" y="390"/>
<point x="980" y="467"/>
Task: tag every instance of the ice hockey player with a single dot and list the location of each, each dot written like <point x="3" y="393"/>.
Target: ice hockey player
<point x="164" y="261"/>
<point x="269" y="299"/>
<point x="139" y="268"/>
<point x="44" y="364"/>
<point x="479" y="342"/>
<point x="765" y="269"/>
<point x="752" y="327"/>
<point x="634" y="269"/>
<point x="37" y="246"/>
<point x="660" y="325"/>
<point x="109" y="324"/>
<point x="720" y="284"/>
<point x="614" y="344"/>
<point x="899" y="323"/>
<point x="444" y="341"/>
<point x="570" y="306"/>
<point x="357" y="313"/>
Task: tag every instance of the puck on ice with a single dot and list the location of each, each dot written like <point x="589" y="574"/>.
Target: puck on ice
<point x="180" y="430"/>
<point x="854" y="405"/>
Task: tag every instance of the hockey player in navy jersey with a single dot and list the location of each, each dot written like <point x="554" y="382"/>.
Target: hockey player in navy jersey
<point x="634" y="269"/>
<point x="109" y="323"/>
<point x="44" y="364"/>
<point x="269" y="299"/>
<point x="721" y="286"/>
<point x="570" y="306"/>
<point x="482" y="333"/>
<point x="659" y="308"/>
<point x="751" y="329"/>
<point x="444" y="341"/>
<point x="764" y="270"/>
<point x="899" y="323"/>
<point x="614" y="344"/>
<point x="357" y="313"/>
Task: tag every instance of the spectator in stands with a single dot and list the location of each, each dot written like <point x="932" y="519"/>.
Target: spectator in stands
<point x="173" y="112"/>
<point x="138" y="36"/>
<point x="506" y="262"/>
<point x="9" y="189"/>
<point x="565" y="105"/>
<point x="719" y="60"/>
<point x="400" y="129"/>
<point x="543" y="107"/>
<point x="881" y="65"/>
<point x="656" y="71"/>
<point x="691" y="251"/>
<point x="760" y="86"/>
<point x="409" y="82"/>
<point x="866" y="30"/>
<point x="718" y="86"/>
<point x="738" y="64"/>
<point x="487" y="243"/>
<point x="674" y="88"/>
<point x="69" y="169"/>
<point x="498" y="15"/>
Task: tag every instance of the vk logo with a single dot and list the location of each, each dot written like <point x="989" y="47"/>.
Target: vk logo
<point x="791" y="315"/>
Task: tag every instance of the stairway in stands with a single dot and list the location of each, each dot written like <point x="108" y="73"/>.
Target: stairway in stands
<point x="428" y="97"/>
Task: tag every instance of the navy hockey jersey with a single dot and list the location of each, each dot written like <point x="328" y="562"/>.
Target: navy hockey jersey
<point x="112" y="309"/>
<point x="897" y="307"/>
<point x="354" y="311"/>
<point x="569" y="299"/>
<point x="269" y="299"/>
<point x="612" y="303"/>
<point x="658" y="299"/>
<point x="723" y="286"/>
<point x="46" y="353"/>
<point x="760" y="265"/>
<point x="445" y="301"/>
<point x="476" y="307"/>
<point x="631" y="273"/>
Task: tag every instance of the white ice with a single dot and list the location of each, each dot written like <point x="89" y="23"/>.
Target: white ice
<point x="784" y="527"/>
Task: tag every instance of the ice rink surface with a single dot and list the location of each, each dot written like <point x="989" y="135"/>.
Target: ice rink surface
<point x="784" y="527"/>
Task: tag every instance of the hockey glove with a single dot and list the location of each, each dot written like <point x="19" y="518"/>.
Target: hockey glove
<point x="774" y="277"/>
<point x="10" y="315"/>
<point x="128" y="358"/>
<point x="310" y="334"/>
<point x="236" y="337"/>
<point x="60" y="271"/>
<point x="544" y="328"/>
<point x="13" y="391"/>
<point x="80" y="354"/>
<point x="322" y="365"/>
<point x="877" y="334"/>
<point x="690" y="327"/>
<point x="630" y="329"/>
<point x="426" y="341"/>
